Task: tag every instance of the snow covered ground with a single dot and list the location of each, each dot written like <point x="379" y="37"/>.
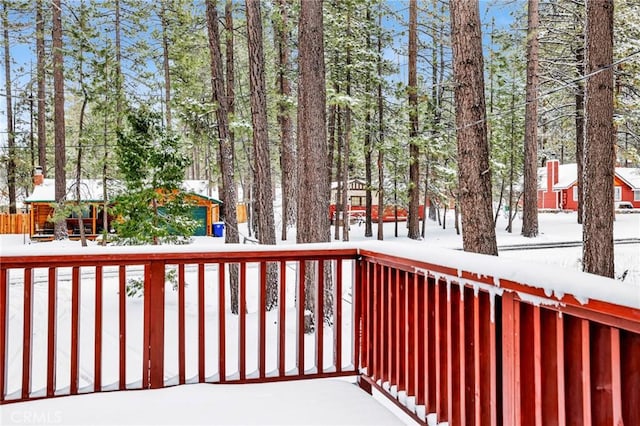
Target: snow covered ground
<point x="308" y="402"/>
<point x="313" y="402"/>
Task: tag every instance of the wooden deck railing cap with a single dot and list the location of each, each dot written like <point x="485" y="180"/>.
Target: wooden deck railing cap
<point x="553" y="282"/>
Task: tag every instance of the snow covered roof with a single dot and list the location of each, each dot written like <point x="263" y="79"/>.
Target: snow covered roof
<point x="568" y="176"/>
<point x="334" y="184"/>
<point x="90" y="190"/>
<point x="630" y="176"/>
<point x="202" y="188"/>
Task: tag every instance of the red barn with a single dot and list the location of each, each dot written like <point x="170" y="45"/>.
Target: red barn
<point x="558" y="186"/>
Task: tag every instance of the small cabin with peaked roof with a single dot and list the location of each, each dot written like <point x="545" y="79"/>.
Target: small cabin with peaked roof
<point x="40" y="206"/>
<point x="558" y="186"/>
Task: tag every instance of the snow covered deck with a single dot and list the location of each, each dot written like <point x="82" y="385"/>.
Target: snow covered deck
<point x="309" y="402"/>
<point x="448" y="336"/>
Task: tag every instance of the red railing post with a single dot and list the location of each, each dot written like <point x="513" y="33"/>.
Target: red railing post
<point x="154" y="322"/>
<point x="510" y="360"/>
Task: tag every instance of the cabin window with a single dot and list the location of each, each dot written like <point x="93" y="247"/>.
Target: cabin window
<point x="617" y="193"/>
<point x="636" y="195"/>
<point x="357" y="201"/>
<point x="575" y="193"/>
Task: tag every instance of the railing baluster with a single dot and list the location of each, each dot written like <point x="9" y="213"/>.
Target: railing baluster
<point x="97" y="355"/>
<point x="146" y="360"/>
<point x="27" y="335"/>
<point x="122" y="326"/>
<point x="444" y="325"/>
<point x="510" y="360"/>
<point x="432" y="358"/>
<point x="75" y="329"/>
<point x="630" y="373"/>
<point x="4" y="325"/>
<point x="201" y="325"/>
<point x="367" y="317"/>
<point x="472" y="352"/>
<point x="390" y="338"/>
<point x="397" y="331"/>
<point x="337" y="326"/>
<point x="530" y="395"/>
<point x="242" y="312"/>
<point x="301" y="315"/>
<point x="418" y="312"/>
<point x="222" y="312"/>
<point x="320" y="318"/>
<point x="262" y="309"/>
<point x="605" y="375"/>
<point x="458" y="366"/>
<point x="282" y="310"/>
<point x="377" y="312"/>
<point x="51" y="330"/>
<point x="410" y="352"/>
<point x="487" y="360"/>
<point x="181" y="325"/>
<point x="551" y="367"/>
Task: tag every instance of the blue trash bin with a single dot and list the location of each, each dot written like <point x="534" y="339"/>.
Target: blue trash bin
<point x="218" y="229"/>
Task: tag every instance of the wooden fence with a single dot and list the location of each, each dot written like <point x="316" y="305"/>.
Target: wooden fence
<point x="14" y="223"/>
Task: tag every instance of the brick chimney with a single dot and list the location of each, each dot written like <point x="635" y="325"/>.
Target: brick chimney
<point x="38" y="177"/>
<point x="552" y="174"/>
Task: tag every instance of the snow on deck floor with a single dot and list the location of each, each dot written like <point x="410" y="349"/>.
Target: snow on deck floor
<point x="308" y="402"/>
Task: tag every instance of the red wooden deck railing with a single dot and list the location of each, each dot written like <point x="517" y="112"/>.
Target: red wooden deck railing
<point x="445" y="343"/>
<point x="468" y="348"/>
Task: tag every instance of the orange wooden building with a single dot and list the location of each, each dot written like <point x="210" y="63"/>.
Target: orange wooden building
<point x="40" y="206"/>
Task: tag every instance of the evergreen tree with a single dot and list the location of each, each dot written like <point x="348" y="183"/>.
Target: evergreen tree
<point x="60" y="229"/>
<point x="11" y="163"/>
<point x="478" y="232"/>
<point x="530" y="218"/>
<point x="599" y="166"/>
<point x="152" y="209"/>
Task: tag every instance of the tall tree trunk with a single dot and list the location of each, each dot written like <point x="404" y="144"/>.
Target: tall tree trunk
<point x="599" y="166"/>
<point x="42" y="124"/>
<point x="165" y="63"/>
<point x="380" y="162"/>
<point x="85" y="99"/>
<point x="512" y="149"/>
<point x="83" y="237"/>
<point x="11" y="138"/>
<point x="118" y="99"/>
<point x="226" y="145"/>
<point x="60" y="229"/>
<point x="530" y="209"/>
<point x="478" y="232"/>
<point x="262" y="156"/>
<point x="313" y="168"/>
<point x="287" y="143"/>
<point x="347" y="141"/>
<point x="580" y="119"/>
<point x="230" y="68"/>
<point x="368" y="173"/>
<point x="340" y="185"/>
<point x="414" y="148"/>
<point x="368" y="144"/>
